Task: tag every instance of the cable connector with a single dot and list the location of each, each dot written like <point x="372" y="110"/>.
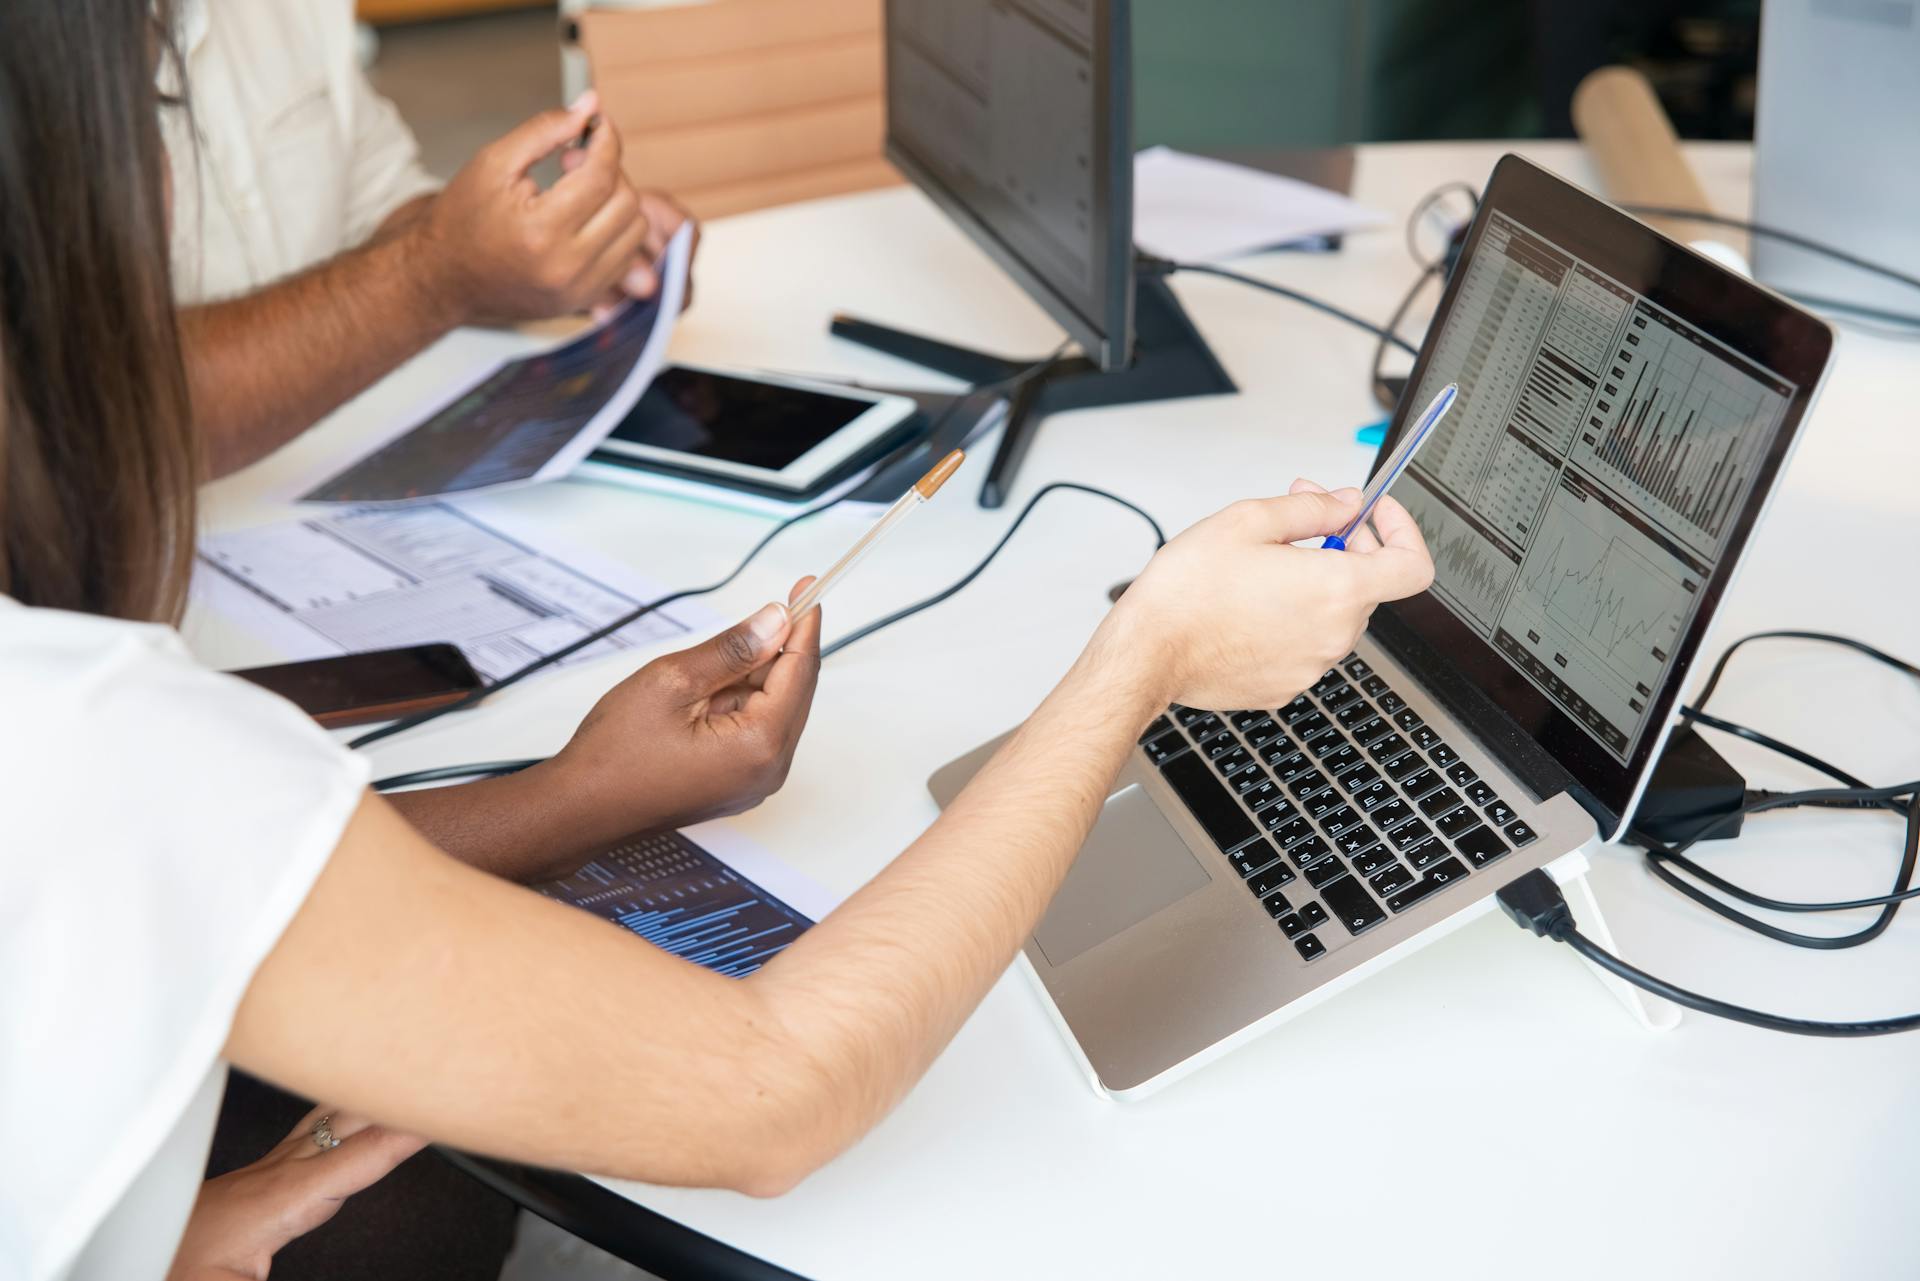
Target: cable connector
<point x="1535" y="903"/>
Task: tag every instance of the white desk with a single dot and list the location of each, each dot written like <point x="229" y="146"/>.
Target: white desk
<point x="1479" y="1111"/>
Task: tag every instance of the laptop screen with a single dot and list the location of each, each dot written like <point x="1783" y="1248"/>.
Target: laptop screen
<point x="1610" y="448"/>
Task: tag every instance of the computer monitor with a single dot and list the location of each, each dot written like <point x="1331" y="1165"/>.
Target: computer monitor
<point x="1016" y="118"/>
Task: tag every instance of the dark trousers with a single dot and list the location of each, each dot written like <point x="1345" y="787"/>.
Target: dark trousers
<point x="424" y="1222"/>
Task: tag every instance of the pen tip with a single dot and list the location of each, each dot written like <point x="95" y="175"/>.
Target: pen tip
<point x="929" y="484"/>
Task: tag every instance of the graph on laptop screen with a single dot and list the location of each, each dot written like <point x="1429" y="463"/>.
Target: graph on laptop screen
<point x="1583" y="489"/>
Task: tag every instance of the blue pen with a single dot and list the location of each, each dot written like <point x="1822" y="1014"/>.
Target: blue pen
<point x="1384" y="478"/>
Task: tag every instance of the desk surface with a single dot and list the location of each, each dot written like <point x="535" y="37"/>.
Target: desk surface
<point x="1477" y="1110"/>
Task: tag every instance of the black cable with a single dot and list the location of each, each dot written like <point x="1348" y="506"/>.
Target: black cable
<point x="1163" y="267"/>
<point x="901" y="615"/>
<point x="1780" y="234"/>
<point x="634" y="615"/>
<point x="1387" y="400"/>
<point x="1535" y="903"/>
<point x="447" y="773"/>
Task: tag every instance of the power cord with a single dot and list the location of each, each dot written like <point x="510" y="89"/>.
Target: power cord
<point x="1536" y="903"/>
<point x="1166" y="267"/>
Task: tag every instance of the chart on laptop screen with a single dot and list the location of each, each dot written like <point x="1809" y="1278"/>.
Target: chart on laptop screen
<point x="1581" y="493"/>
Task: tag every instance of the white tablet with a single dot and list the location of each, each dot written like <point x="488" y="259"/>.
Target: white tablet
<point x="763" y="430"/>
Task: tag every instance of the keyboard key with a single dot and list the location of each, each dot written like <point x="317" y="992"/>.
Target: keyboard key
<point x="1207" y="797"/>
<point x="1456" y="823"/>
<point x="1339" y="698"/>
<point x="1374" y="684"/>
<point x="1160" y="726"/>
<point x="1406" y="718"/>
<point x="1367" y="733"/>
<point x="1187" y="715"/>
<point x="1419" y="783"/>
<point x="1256" y="789"/>
<point x="1313" y="916"/>
<point x="1388" y="748"/>
<point x="1219" y="745"/>
<point x="1481" y="846"/>
<point x="1351" y="905"/>
<point x="1390" y="702"/>
<point x="1309" y="947"/>
<point x="1327" y="870"/>
<point x="1277" y="905"/>
<point x="1499" y="813"/>
<point x="1358" y="669"/>
<point x="1292" y="926"/>
<point x="1425" y="855"/>
<point x="1231" y="761"/>
<point x="1460" y="774"/>
<point x="1442" y="755"/>
<point x="1448" y="872"/>
<point x="1405" y="767"/>
<point x="1293" y="831"/>
<point x="1391" y="815"/>
<point x="1374" y="793"/>
<point x="1413" y="894"/>
<point x="1520" y="834"/>
<point x="1268" y="879"/>
<point x="1342" y="759"/>
<point x="1249" y="859"/>
<point x="1305" y="785"/>
<point x="1336" y="821"/>
<point x="1286" y="760"/>
<point x="1358" y="712"/>
<point x="1423" y="737"/>
<point x="1408" y="835"/>
<point x="1391" y="880"/>
<point x="1328" y="683"/>
<point x="1309" y="853"/>
<point x="1360" y="776"/>
<point x="1301" y="706"/>
<point x="1265" y="734"/>
<point x="1322" y="804"/>
<point x="1480" y="794"/>
<point x="1369" y="861"/>
<point x="1166" y="747"/>
<point x="1331" y="743"/>
<point x="1356" y="838"/>
<point x="1247" y="720"/>
<point x="1439" y="802"/>
<point x="1206" y="727"/>
<point x="1277" y="815"/>
<point x="1307" y="726"/>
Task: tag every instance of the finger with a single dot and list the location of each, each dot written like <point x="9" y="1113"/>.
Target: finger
<point x="641" y="280"/>
<point x="311" y="1192"/>
<point x="583" y="191"/>
<point x="1300" y="515"/>
<point x="1392" y="573"/>
<point x="759" y="679"/>
<point x="1396" y="525"/>
<point x="613" y="262"/>
<point x="728" y="658"/>
<point x="299" y="1143"/>
<point x="527" y="145"/>
<point x="790" y="681"/>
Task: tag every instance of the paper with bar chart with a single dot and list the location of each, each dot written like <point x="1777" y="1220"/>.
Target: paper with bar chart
<point x="1579" y="497"/>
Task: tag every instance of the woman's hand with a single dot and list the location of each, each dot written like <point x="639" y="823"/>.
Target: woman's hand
<point x="241" y="1220"/>
<point x="1231" y="615"/>
<point x="703" y="733"/>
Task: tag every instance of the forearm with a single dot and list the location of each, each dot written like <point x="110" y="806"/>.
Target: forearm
<point x="265" y="367"/>
<point x="537" y="825"/>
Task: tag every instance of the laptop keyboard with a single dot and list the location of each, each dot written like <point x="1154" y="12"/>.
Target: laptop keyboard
<point x="1342" y="807"/>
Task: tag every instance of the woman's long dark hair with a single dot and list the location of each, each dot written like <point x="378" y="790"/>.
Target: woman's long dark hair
<point x="98" y="461"/>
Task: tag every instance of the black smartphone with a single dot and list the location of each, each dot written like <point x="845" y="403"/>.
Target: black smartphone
<point x="380" y="685"/>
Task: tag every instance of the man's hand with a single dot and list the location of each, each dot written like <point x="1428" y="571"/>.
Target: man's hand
<point x="241" y="1220"/>
<point x="703" y="733"/>
<point x="495" y="249"/>
<point x="1234" y="616"/>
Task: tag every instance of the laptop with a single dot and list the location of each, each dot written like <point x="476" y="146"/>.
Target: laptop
<point x="1838" y="108"/>
<point x="1625" y="409"/>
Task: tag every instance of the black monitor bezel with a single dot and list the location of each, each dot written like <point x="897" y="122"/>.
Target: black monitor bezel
<point x="1107" y="338"/>
<point x="1477" y="682"/>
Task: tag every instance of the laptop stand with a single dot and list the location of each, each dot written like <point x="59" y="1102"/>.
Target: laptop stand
<point x="1569" y="871"/>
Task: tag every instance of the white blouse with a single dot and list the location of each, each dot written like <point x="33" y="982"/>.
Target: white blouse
<point x="160" y="824"/>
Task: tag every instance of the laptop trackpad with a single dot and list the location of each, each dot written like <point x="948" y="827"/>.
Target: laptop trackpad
<point x="1131" y="866"/>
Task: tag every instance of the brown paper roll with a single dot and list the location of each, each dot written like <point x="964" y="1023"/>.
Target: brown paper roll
<point x="1635" y="148"/>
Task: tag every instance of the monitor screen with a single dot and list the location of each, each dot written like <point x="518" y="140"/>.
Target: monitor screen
<point x="1620" y="419"/>
<point x="1015" y="116"/>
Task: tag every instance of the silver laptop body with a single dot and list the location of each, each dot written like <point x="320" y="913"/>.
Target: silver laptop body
<point x="1625" y="409"/>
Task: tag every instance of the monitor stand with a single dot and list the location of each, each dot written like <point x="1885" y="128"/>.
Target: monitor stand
<point x="1171" y="361"/>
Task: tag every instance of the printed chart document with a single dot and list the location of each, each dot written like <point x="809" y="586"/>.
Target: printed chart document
<point x="385" y="577"/>
<point x="1193" y="208"/>
<point x="529" y="419"/>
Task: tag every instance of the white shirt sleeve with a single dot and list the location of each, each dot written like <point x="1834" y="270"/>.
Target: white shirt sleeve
<point x="160" y="826"/>
<point x="383" y="157"/>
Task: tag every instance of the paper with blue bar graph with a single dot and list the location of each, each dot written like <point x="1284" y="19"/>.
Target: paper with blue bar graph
<point x="731" y="914"/>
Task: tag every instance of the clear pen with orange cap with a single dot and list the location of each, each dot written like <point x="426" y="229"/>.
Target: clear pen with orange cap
<point x="923" y="489"/>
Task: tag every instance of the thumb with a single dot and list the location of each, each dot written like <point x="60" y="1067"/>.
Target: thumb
<point x="736" y="652"/>
<point x="1303" y="514"/>
<point x="527" y="145"/>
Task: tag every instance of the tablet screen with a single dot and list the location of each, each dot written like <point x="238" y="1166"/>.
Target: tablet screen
<point x="733" y="420"/>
